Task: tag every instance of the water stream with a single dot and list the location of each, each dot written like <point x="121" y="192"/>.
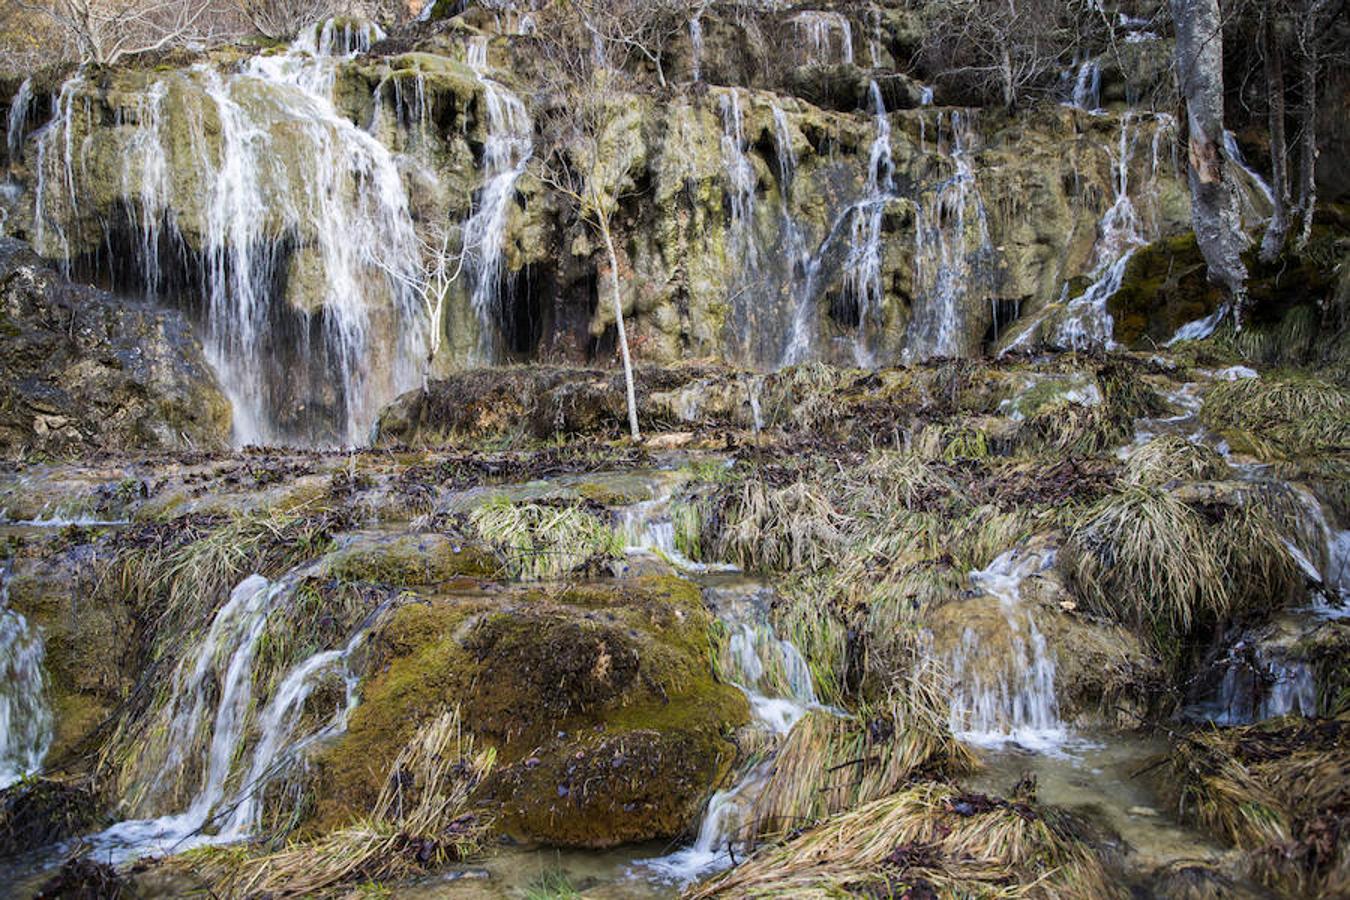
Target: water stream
<point x="25" y="720"/>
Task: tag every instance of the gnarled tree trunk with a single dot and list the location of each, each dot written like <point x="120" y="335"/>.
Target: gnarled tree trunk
<point x="1273" y="54"/>
<point x="1214" y="209"/>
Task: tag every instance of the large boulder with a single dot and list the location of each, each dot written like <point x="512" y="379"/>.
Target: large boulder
<point x="82" y="370"/>
<point x="600" y="701"/>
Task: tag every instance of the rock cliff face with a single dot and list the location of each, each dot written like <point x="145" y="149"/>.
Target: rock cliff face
<point x="82" y="371"/>
<point x="776" y="206"/>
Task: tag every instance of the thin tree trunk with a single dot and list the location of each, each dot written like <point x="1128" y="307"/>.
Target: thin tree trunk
<point x="1214" y="211"/>
<point x="618" y="321"/>
<point x="1307" y="169"/>
<point x="1273" y="241"/>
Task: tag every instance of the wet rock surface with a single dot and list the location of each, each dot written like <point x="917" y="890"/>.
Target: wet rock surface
<point x="86" y="371"/>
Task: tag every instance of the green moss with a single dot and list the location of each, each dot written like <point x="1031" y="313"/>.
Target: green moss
<point x="550" y="674"/>
<point x="410" y="559"/>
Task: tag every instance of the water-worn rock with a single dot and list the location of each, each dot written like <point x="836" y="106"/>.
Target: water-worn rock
<point x="82" y="370"/>
<point x="599" y="700"/>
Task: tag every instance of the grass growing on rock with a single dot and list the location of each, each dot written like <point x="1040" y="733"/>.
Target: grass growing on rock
<point x="535" y="541"/>
<point x="1280" y="416"/>
<point x="1279" y="790"/>
<point x="421" y="821"/>
<point x="928" y="840"/>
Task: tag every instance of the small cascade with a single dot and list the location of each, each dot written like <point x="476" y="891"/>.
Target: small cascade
<point x="1262" y="686"/>
<point x="57" y="203"/>
<point x="145" y="176"/>
<point x="213" y="687"/>
<point x="741" y="179"/>
<point x="648" y="528"/>
<point x="801" y="337"/>
<point x="826" y="38"/>
<point x="17" y="125"/>
<point x="506" y="153"/>
<point x="1011" y="699"/>
<point x="1087" y="87"/>
<point x="1086" y="321"/>
<point x="696" y="42"/>
<point x="777" y="681"/>
<point x="25" y="720"/>
<point x="1254" y="180"/>
<point x="951" y="247"/>
<point x="862" y="269"/>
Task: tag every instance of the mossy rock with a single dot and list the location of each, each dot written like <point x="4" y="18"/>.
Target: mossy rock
<point x="544" y="675"/>
<point x="36" y="814"/>
<point x="407" y="560"/>
<point x="1165" y="286"/>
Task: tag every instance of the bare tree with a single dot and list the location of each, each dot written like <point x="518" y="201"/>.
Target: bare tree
<point x="104" y="31"/>
<point x="577" y="161"/>
<point x="283" y="19"/>
<point x="623" y="29"/>
<point x="1004" y="50"/>
<point x="440" y="268"/>
<point x="1272" y="54"/>
<point x="1214" y="213"/>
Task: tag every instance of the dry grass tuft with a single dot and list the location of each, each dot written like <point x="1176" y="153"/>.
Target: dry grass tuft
<point x="1279" y="790"/>
<point x="421" y="821"/>
<point x="535" y="541"/>
<point x="831" y="764"/>
<point x="1169" y="458"/>
<point x="930" y="839"/>
<point x="1281" y="417"/>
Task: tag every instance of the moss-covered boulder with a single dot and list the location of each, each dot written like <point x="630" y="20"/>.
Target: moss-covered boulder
<point x="406" y="560"/>
<point x="600" y="701"/>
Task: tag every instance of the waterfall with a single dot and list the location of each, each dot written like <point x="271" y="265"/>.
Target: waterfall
<point x="801" y="336"/>
<point x="214" y="683"/>
<point x="827" y="37"/>
<point x="18" y="121"/>
<point x="862" y="269"/>
<point x="696" y="42"/>
<point x="25" y="720"/>
<point x="741" y="180"/>
<point x="1002" y="698"/>
<point x="777" y="681"/>
<point x="1234" y="154"/>
<point x="951" y="248"/>
<point x="1087" y="86"/>
<point x="506" y="153"/>
<point x="280" y="189"/>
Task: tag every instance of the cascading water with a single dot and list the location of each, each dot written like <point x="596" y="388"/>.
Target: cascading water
<point x="1000" y="698"/>
<point x="17" y="124"/>
<point x="862" y="269"/>
<point x="1087" y="87"/>
<point x="25" y="720"/>
<point x="827" y="37"/>
<point x="280" y="189"/>
<point x="506" y="153"/>
<point x="741" y="179"/>
<point x="696" y="43"/>
<point x="777" y="681"/>
<point x="951" y="247"/>
<point x="801" y="337"/>
<point x="214" y="684"/>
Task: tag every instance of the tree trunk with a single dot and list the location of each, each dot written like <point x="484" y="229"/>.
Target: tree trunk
<point x="1273" y="241"/>
<point x="618" y="322"/>
<point x="1307" y="167"/>
<point x="1214" y="210"/>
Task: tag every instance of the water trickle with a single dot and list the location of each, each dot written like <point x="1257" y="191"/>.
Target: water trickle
<point x="214" y="684"/>
<point x="696" y="41"/>
<point x="56" y="204"/>
<point x="18" y="121"/>
<point x="1262" y="687"/>
<point x="777" y="681"/>
<point x="1010" y="699"/>
<point x="506" y="153"/>
<point x="1087" y="87"/>
<point x="1254" y="179"/>
<point x="862" y="269"/>
<point x="741" y="179"/>
<point x="827" y="38"/>
<point x="801" y="335"/>
<point x="25" y="720"/>
<point x="951" y="246"/>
